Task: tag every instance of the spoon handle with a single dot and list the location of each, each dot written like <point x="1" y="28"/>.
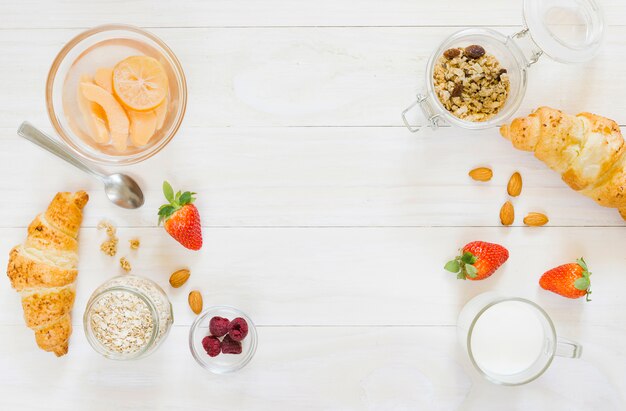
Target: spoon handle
<point x="34" y="135"/>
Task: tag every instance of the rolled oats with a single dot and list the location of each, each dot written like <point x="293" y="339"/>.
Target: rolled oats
<point x="108" y="247"/>
<point x="470" y="83"/>
<point x="122" y="322"/>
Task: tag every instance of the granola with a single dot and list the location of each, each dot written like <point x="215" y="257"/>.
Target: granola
<point x="125" y="264"/>
<point x="470" y="83"/>
<point x="108" y="247"/>
<point x="134" y="243"/>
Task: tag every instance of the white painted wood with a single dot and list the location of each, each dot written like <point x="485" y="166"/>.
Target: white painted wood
<point x="283" y="13"/>
<point x="318" y="177"/>
<point x="324" y="219"/>
<point x="309" y="368"/>
<point x="359" y="76"/>
<point x="351" y="276"/>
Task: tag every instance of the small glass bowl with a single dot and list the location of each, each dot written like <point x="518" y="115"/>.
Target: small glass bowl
<point x="103" y="46"/>
<point x="223" y="363"/>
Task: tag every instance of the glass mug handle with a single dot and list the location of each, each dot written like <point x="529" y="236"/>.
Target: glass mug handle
<point x="567" y="348"/>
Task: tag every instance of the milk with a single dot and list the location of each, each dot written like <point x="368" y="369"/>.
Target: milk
<point x="507" y="338"/>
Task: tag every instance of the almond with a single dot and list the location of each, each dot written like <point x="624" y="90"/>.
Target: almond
<point x="179" y="277"/>
<point x="507" y="213"/>
<point x="195" y="301"/>
<point x="514" y="188"/>
<point x="481" y="174"/>
<point x="536" y="219"/>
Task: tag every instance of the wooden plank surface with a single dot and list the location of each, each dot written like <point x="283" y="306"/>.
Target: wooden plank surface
<point x="311" y="76"/>
<point x="324" y="219"/>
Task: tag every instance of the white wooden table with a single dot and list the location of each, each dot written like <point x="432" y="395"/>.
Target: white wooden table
<point x="323" y="218"/>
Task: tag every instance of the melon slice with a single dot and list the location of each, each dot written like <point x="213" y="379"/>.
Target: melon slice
<point x="161" y="113"/>
<point x="115" y="114"/>
<point x="104" y="78"/>
<point x="142" y="126"/>
<point x="93" y="115"/>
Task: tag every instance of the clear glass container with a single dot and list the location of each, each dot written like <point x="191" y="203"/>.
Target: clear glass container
<point x="223" y="363"/>
<point x="569" y="31"/>
<point x="127" y="317"/>
<point x="105" y="46"/>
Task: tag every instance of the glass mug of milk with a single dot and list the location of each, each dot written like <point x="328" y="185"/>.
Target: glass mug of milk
<point x="510" y="341"/>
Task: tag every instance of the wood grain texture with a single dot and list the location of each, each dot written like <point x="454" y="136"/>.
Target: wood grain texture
<point x="323" y="218"/>
<point x="283" y="13"/>
<point x="309" y="368"/>
<point x="311" y="76"/>
<point x="317" y="177"/>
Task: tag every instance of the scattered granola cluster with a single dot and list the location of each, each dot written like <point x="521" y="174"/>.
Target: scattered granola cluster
<point x="108" y="247"/>
<point x="470" y="83"/>
<point x="125" y="264"/>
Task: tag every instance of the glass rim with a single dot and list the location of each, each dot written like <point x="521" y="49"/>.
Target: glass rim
<point x="499" y="300"/>
<point x="61" y="131"/>
<point x="99" y="347"/>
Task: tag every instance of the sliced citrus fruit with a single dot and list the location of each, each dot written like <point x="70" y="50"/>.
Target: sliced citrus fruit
<point x="161" y="113"/>
<point x="93" y="116"/>
<point x="142" y="126"/>
<point x="140" y="82"/>
<point x="116" y="116"/>
<point x="104" y="78"/>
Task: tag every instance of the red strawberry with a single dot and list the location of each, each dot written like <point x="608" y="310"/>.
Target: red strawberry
<point x="181" y="217"/>
<point x="478" y="260"/>
<point x="569" y="280"/>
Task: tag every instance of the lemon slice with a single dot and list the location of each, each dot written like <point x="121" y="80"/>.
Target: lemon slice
<point x="140" y="82"/>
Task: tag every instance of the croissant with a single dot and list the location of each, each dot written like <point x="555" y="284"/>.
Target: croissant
<point x="588" y="150"/>
<point x="43" y="271"/>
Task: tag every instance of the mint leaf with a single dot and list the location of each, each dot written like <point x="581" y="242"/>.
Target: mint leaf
<point x="453" y="266"/>
<point x="471" y="270"/>
<point x="168" y="191"/>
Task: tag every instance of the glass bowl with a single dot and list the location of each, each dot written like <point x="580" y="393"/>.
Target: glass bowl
<point x="104" y="46"/>
<point x="223" y="363"/>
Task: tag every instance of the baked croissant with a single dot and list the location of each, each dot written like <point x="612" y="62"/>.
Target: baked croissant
<point x="588" y="150"/>
<point x="43" y="270"/>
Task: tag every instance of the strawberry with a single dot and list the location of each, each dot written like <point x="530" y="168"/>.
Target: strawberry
<point x="569" y="280"/>
<point x="478" y="260"/>
<point x="181" y="218"/>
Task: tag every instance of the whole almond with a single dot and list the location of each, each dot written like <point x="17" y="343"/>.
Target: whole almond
<point x="514" y="188"/>
<point x="507" y="213"/>
<point x="481" y="174"/>
<point x="536" y="219"/>
<point x="195" y="301"/>
<point x="179" y="277"/>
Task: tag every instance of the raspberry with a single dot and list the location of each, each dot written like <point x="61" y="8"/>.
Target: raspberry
<point x="211" y="345"/>
<point x="238" y="329"/>
<point x="218" y="326"/>
<point x="230" y="346"/>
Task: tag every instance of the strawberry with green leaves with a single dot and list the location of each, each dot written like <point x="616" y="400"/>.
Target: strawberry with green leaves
<point x="181" y="218"/>
<point x="478" y="260"/>
<point x="568" y="280"/>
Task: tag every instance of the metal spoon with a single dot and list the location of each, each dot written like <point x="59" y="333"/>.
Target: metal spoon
<point x="120" y="188"/>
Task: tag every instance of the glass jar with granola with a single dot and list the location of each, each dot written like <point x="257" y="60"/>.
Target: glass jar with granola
<point x="477" y="77"/>
<point x="127" y="317"/>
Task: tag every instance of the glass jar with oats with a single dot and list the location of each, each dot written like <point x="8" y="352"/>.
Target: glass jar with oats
<point x="477" y="77"/>
<point x="127" y="317"/>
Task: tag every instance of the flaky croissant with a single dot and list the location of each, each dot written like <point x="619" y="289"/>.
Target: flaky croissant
<point x="43" y="270"/>
<point x="588" y="150"/>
